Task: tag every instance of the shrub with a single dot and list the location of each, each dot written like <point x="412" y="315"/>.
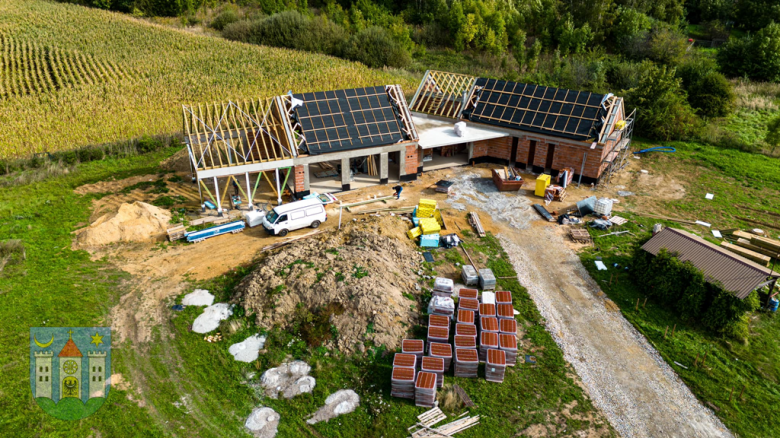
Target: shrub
<point x="712" y="95"/>
<point x="773" y="133"/>
<point x="375" y="48"/>
<point x="148" y="144"/>
<point x="755" y="57"/>
<point x="666" y="45"/>
<point x="290" y="29"/>
<point x="630" y="26"/>
<point x="224" y="18"/>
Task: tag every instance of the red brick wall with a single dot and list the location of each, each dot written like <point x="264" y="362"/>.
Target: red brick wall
<point x="300" y="176"/>
<point x="412" y="160"/>
<point x="496" y="148"/>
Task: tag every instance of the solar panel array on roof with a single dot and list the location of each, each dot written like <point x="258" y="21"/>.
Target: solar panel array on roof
<point x="347" y="119"/>
<point x="555" y="111"/>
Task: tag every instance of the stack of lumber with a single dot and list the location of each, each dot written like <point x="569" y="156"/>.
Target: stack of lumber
<point x="474" y="222"/>
<point x="748" y="254"/>
<point x="760" y="249"/>
<point x="424" y="428"/>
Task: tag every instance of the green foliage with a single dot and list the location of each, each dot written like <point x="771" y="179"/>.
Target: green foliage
<point x="224" y="18"/>
<point x="773" y="133"/>
<point x="756" y="57"/>
<point x="666" y="45"/>
<point x="148" y="144"/>
<point x="375" y="47"/>
<point x="571" y="39"/>
<point x="708" y="90"/>
<point x="757" y="14"/>
<point x="665" y="112"/>
<point x="630" y="26"/>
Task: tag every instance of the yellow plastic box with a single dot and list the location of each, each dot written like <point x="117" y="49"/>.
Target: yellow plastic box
<point x="414" y="233"/>
<point x="542" y="181"/>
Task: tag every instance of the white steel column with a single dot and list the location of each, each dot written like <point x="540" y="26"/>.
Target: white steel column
<point x="249" y="193"/>
<point x="219" y="199"/>
<point x="278" y="189"/>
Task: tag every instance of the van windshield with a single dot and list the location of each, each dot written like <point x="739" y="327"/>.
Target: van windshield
<point x="272" y="216"/>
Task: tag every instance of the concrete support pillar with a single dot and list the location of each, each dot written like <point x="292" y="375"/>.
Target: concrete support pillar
<point x="383" y="168"/>
<point x="306" y="186"/>
<point x="471" y="150"/>
<point x="345" y="172"/>
<point x="401" y="164"/>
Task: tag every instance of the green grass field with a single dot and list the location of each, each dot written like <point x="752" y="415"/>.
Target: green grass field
<point x="73" y="76"/>
<point x="737" y="179"/>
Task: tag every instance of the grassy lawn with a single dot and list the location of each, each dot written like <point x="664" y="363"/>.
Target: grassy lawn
<point x="736" y="178"/>
<point x="59" y="287"/>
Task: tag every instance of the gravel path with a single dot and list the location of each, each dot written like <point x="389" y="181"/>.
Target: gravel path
<point x="624" y="375"/>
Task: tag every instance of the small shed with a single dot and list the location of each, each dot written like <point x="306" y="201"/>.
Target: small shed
<point x="738" y="275"/>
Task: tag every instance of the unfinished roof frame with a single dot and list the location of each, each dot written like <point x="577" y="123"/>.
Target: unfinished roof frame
<point x="442" y="93"/>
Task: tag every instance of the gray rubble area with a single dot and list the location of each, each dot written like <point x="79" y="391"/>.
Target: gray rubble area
<point x="476" y="191"/>
<point x="262" y="422"/>
<point x="340" y="402"/>
<point x="198" y="297"/>
<point x="249" y="349"/>
<point x="211" y="317"/>
<point x="291" y="379"/>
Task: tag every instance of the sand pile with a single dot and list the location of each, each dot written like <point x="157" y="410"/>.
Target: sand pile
<point x="350" y="286"/>
<point x="136" y="222"/>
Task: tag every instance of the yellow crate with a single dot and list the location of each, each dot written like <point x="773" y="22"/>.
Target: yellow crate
<point x="424" y="213"/>
<point x="414" y="233"/>
<point x="429" y="226"/>
<point x="437" y="216"/>
<point x="427" y="203"/>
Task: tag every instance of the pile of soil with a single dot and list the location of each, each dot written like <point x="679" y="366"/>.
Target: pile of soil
<point x="136" y="222"/>
<point x="341" y="289"/>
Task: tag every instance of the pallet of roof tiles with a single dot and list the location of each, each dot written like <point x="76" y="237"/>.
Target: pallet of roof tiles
<point x="488" y="324"/>
<point x="434" y="365"/>
<point x="505" y="311"/>
<point x="465" y="316"/>
<point x="443" y="286"/>
<point x="425" y="390"/>
<point x="466" y="330"/>
<point x="466" y="362"/>
<point x="438" y="321"/>
<point x="403" y="360"/>
<point x="495" y="366"/>
<point x="468" y="304"/>
<point x="471" y="294"/>
<point x="402" y="382"/>
<point x="429" y="226"/>
<point x="469" y="275"/>
<point x="413" y="346"/>
<point x="438" y="334"/>
<point x="443" y="351"/>
<point x="487" y="281"/>
<point x="503" y="297"/>
<point x="487" y="298"/>
<point x="442" y="306"/>
<point x="467" y="342"/>
<point x="508" y="344"/>
<point x="486" y="311"/>
<point x="508" y="326"/>
<point x="487" y="341"/>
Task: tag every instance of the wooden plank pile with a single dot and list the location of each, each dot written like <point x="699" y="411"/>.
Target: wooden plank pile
<point x="424" y="427"/>
<point x="474" y="222"/>
<point x="580" y="235"/>
<point x="760" y="249"/>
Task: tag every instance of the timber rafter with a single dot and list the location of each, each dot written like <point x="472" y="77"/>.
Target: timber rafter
<point x="442" y="93"/>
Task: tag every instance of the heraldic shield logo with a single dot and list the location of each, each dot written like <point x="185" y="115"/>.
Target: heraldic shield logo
<point x="70" y="369"/>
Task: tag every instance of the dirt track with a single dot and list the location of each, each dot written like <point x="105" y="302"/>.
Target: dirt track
<point x="624" y="375"/>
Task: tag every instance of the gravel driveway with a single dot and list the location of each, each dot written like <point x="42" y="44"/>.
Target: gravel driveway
<point x="624" y="375"/>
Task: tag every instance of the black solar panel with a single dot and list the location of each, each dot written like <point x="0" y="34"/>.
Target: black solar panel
<point x="548" y="110"/>
<point x="347" y="119"/>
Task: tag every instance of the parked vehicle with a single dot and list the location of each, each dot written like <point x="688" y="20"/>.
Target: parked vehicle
<point x="295" y="215"/>
<point x="201" y="235"/>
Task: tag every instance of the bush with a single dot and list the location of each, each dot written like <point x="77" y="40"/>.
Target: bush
<point x="755" y="57"/>
<point x="664" y="111"/>
<point x="292" y="30"/>
<point x="630" y="27"/>
<point x="148" y="144"/>
<point x="375" y="48"/>
<point x="224" y="18"/>
<point x="712" y="95"/>
<point x="666" y="45"/>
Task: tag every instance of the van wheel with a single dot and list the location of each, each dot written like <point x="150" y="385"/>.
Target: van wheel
<point x="315" y="224"/>
<point x="282" y="233"/>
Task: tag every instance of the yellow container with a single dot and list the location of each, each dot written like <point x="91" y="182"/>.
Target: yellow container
<point x="429" y="226"/>
<point x="437" y="216"/>
<point x="542" y="181"/>
<point x="414" y="233"/>
<point x="427" y="203"/>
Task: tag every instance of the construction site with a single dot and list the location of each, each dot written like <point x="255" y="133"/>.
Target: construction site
<point x="430" y="232"/>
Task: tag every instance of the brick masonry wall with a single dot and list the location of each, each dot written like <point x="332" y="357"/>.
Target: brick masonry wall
<point x="300" y="176"/>
<point x="412" y="160"/>
<point x="566" y="154"/>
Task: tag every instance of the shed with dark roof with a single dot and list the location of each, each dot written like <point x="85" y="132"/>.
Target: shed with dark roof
<point x="738" y="275"/>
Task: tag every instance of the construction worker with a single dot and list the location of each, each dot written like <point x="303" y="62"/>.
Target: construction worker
<point x="398" y="190"/>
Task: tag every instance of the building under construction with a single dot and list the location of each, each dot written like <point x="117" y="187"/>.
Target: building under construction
<point x="331" y="141"/>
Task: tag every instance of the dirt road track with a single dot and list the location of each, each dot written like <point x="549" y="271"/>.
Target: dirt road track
<point x="625" y="376"/>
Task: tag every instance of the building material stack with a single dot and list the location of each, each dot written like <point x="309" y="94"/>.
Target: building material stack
<point x="467" y="342"/>
<point x="488" y="324"/>
<point x="438" y="321"/>
<point x="443" y="287"/>
<point x="505" y="311"/>
<point x="472" y="294"/>
<point x="425" y="390"/>
<point x="404" y="360"/>
<point x="469" y="276"/>
<point x="508" y="343"/>
<point x="466" y="330"/>
<point x="465" y="316"/>
<point x="443" y="351"/>
<point x="487" y="341"/>
<point x="434" y="365"/>
<point x="487" y="311"/>
<point x="468" y="304"/>
<point x="487" y="297"/>
<point x="442" y="306"/>
<point x="503" y="297"/>
<point x="413" y="346"/>
<point x="466" y="362"/>
<point x="402" y="382"/>
<point x="508" y="326"/>
<point x="487" y="281"/>
<point x="438" y="334"/>
<point x="495" y="366"/>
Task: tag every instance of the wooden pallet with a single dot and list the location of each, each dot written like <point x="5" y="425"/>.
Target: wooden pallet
<point x="176" y="232"/>
<point x="474" y="222"/>
<point x="579" y="235"/>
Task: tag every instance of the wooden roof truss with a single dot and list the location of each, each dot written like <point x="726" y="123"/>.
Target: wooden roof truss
<point x="236" y="133"/>
<point x="397" y="99"/>
<point x="442" y="93"/>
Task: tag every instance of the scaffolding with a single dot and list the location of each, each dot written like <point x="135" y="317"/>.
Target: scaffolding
<point x="619" y="142"/>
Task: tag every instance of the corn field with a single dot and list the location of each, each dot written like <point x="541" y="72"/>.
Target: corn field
<point x="72" y="76"/>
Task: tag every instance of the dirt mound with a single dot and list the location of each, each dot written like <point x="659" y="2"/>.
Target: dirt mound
<point x="178" y="162"/>
<point x="136" y="222"/>
<point x="343" y="289"/>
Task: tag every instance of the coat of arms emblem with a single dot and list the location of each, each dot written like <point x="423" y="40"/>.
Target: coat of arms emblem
<point x="70" y="369"/>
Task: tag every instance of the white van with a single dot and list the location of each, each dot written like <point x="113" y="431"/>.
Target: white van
<point x="295" y="215"/>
